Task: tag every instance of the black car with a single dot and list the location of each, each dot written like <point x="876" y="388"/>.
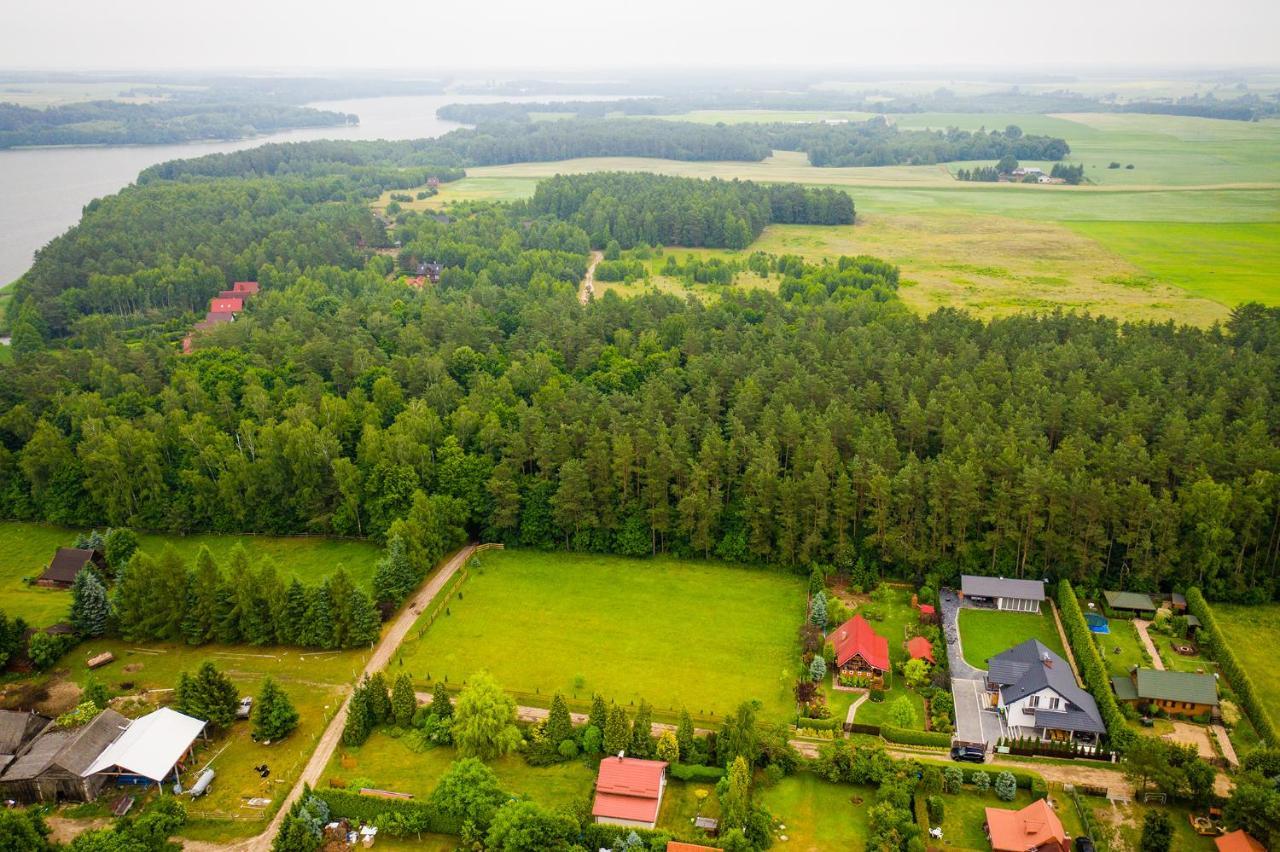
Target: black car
<point x="969" y="753"/>
<point x="1083" y="844"/>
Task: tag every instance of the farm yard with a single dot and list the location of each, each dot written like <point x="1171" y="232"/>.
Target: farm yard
<point x="675" y="633"/>
<point x="25" y="549"/>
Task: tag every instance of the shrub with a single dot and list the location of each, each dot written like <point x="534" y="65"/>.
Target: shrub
<point x="568" y="749"/>
<point x="952" y="779"/>
<point x="819" y="724"/>
<point x="907" y="736"/>
<point x="1239" y="679"/>
<point x="1006" y="787"/>
<point x="980" y="780"/>
<point x="356" y="807"/>
<point x="691" y="772"/>
<point x="936" y="809"/>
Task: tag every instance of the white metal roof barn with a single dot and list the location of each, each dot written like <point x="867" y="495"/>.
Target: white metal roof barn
<point x="151" y="748"/>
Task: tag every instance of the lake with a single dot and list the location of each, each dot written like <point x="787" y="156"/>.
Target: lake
<point x="44" y="190"/>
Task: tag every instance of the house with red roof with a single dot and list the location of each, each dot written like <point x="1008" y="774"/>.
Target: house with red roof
<point x="1035" y="828"/>
<point x="677" y="846"/>
<point x="629" y="791"/>
<point x="248" y="288"/>
<point x="859" y="649"/>
<point x="920" y="648"/>
<point x="219" y="305"/>
<point x="1238" y="841"/>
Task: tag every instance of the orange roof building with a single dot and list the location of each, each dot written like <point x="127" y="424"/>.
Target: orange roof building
<point x="1035" y="828"/>
<point x="920" y="648"/>
<point x="629" y="791"/>
<point x="677" y="846"/>
<point x="1238" y="841"/>
<point x="229" y="306"/>
<point x="855" y="642"/>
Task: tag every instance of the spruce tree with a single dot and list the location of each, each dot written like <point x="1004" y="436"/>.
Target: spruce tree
<point x="89" y="609"/>
<point x="356" y="728"/>
<point x="818" y="611"/>
<point x="559" y="725"/>
<point x="226" y="615"/>
<point x="599" y="715"/>
<point x="403" y="700"/>
<point x="394" y="579"/>
<point x="642" y="732"/>
<point x="364" y="625"/>
<point x="617" y="731"/>
<point x="441" y="703"/>
<point x="685" y="735"/>
<point x="200" y="623"/>
<point x="210" y="695"/>
<point x="341" y="589"/>
<point x="166" y="596"/>
<point x="274" y="716"/>
<point x="293" y="614"/>
<point x="317" y="626"/>
<point x="379" y="699"/>
<point x="129" y="598"/>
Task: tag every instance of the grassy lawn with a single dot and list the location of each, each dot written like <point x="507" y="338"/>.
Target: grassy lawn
<point x="1254" y="632"/>
<point x="964" y="814"/>
<point x="675" y="633"/>
<point x="314" y="681"/>
<point x="818" y="815"/>
<point x="680" y="804"/>
<point x="25" y="550"/>
<point x="1124" y="637"/>
<point x="984" y="633"/>
<point x="1123" y="825"/>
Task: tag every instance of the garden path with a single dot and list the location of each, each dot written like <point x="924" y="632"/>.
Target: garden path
<point x="1156" y="662"/>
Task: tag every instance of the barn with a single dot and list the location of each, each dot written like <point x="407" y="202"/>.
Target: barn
<point x="53" y="767"/>
<point x="67" y="563"/>
<point x="1014" y="595"/>
<point x="152" y="750"/>
<point x="16" y="730"/>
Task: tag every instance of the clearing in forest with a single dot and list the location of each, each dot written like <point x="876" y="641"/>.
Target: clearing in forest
<point x="673" y="632"/>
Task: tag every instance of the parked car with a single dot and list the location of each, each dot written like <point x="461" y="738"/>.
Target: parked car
<point x="1083" y="844"/>
<point x="246" y="706"/>
<point x="969" y="753"/>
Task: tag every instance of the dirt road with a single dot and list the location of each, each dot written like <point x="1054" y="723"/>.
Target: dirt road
<point x="391" y="639"/>
<point x="588" y="288"/>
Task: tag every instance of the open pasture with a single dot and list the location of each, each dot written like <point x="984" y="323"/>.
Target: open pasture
<point x="26" y="548"/>
<point x="675" y="633"/>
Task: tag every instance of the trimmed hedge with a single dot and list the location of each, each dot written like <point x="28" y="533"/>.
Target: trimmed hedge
<point x="907" y="736"/>
<point x="863" y="728"/>
<point x="355" y="806"/>
<point x="601" y="836"/>
<point x="1239" y="679"/>
<point x="832" y="724"/>
<point x="693" y="772"/>
<point x="1025" y="779"/>
<point x="1092" y="669"/>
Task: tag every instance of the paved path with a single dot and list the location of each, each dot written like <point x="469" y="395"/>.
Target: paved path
<point x="391" y="639"/>
<point x="1224" y="743"/>
<point x="588" y="289"/>
<point x="1066" y="643"/>
<point x="853" y="708"/>
<point x="1141" y="627"/>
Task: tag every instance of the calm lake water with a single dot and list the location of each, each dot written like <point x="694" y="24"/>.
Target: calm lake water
<point x="42" y="191"/>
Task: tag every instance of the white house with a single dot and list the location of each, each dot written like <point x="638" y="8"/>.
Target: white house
<point x="1036" y="691"/>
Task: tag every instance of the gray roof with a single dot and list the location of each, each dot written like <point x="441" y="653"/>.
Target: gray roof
<point x="998" y="587"/>
<point x="1030" y="667"/>
<point x="1073" y="720"/>
<point x="16" y="728"/>
<point x="73" y="750"/>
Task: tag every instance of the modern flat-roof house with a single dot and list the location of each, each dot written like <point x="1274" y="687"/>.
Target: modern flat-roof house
<point x="66" y="564"/>
<point x="1015" y="595"/>
<point x="1037" y="692"/>
<point x="54" y="766"/>
<point x="16" y="730"/>
<point x="1130" y="602"/>
<point x="151" y="750"/>
<point x="1035" y="828"/>
<point x="859" y="649"/>
<point x="1176" y="693"/>
<point x="629" y="791"/>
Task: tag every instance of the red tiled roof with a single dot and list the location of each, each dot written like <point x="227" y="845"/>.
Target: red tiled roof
<point x="217" y="305"/>
<point x="1033" y="827"/>
<point x="629" y="788"/>
<point x="920" y="648"/>
<point x="245" y="286"/>
<point x="927" y="609"/>
<point x="1238" y="841"/>
<point x="856" y="638"/>
<point x="677" y="846"/>
<point x="418" y="281"/>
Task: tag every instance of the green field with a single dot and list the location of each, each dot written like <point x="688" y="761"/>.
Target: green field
<point x="1254" y="632"/>
<point x="984" y="633"/>
<point x="818" y="815"/>
<point x="25" y="550"/>
<point x="675" y="633"/>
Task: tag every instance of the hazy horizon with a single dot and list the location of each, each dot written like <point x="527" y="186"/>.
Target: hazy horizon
<point x="575" y="36"/>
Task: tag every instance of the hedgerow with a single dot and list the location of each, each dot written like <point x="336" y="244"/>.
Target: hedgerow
<point x="907" y="736"/>
<point x="370" y="809"/>
<point x="1092" y="669"/>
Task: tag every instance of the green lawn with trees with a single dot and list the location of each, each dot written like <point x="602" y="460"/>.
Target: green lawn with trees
<point x="818" y="814"/>
<point x="675" y="633"/>
<point x="984" y="633"/>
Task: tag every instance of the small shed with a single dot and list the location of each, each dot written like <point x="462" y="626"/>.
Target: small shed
<point x="1178" y="602"/>
<point x="67" y="564"/>
<point x="920" y="648"/>
<point x="1238" y="841"/>
<point x="1130" y="602"/>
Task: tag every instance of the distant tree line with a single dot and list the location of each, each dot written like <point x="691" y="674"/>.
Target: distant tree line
<point x="633" y="208"/>
<point x="984" y="174"/>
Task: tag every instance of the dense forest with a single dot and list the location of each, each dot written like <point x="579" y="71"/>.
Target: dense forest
<point x="826" y="423"/>
<point x="634" y="208"/>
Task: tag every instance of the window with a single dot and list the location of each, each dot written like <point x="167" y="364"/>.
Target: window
<point x="1033" y="701"/>
<point x="1053" y="702"/>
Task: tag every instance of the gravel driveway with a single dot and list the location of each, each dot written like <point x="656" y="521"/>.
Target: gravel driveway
<point x="968" y="684"/>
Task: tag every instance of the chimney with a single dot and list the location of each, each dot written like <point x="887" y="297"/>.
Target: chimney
<point x="621" y="754"/>
<point x="1047" y="660"/>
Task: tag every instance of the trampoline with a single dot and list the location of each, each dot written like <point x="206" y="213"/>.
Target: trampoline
<point x="1097" y="623"/>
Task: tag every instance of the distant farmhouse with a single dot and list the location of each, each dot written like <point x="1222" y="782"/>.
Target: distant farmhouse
<point x="1176" y="693"/>
<point x="223" y="308"/>
<point x="67" y="563"/>
<point x="1036" y="691"/>
<point x="1015" y="595"/>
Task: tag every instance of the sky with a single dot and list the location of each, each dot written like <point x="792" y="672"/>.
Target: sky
<point x="428" y="35"/>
